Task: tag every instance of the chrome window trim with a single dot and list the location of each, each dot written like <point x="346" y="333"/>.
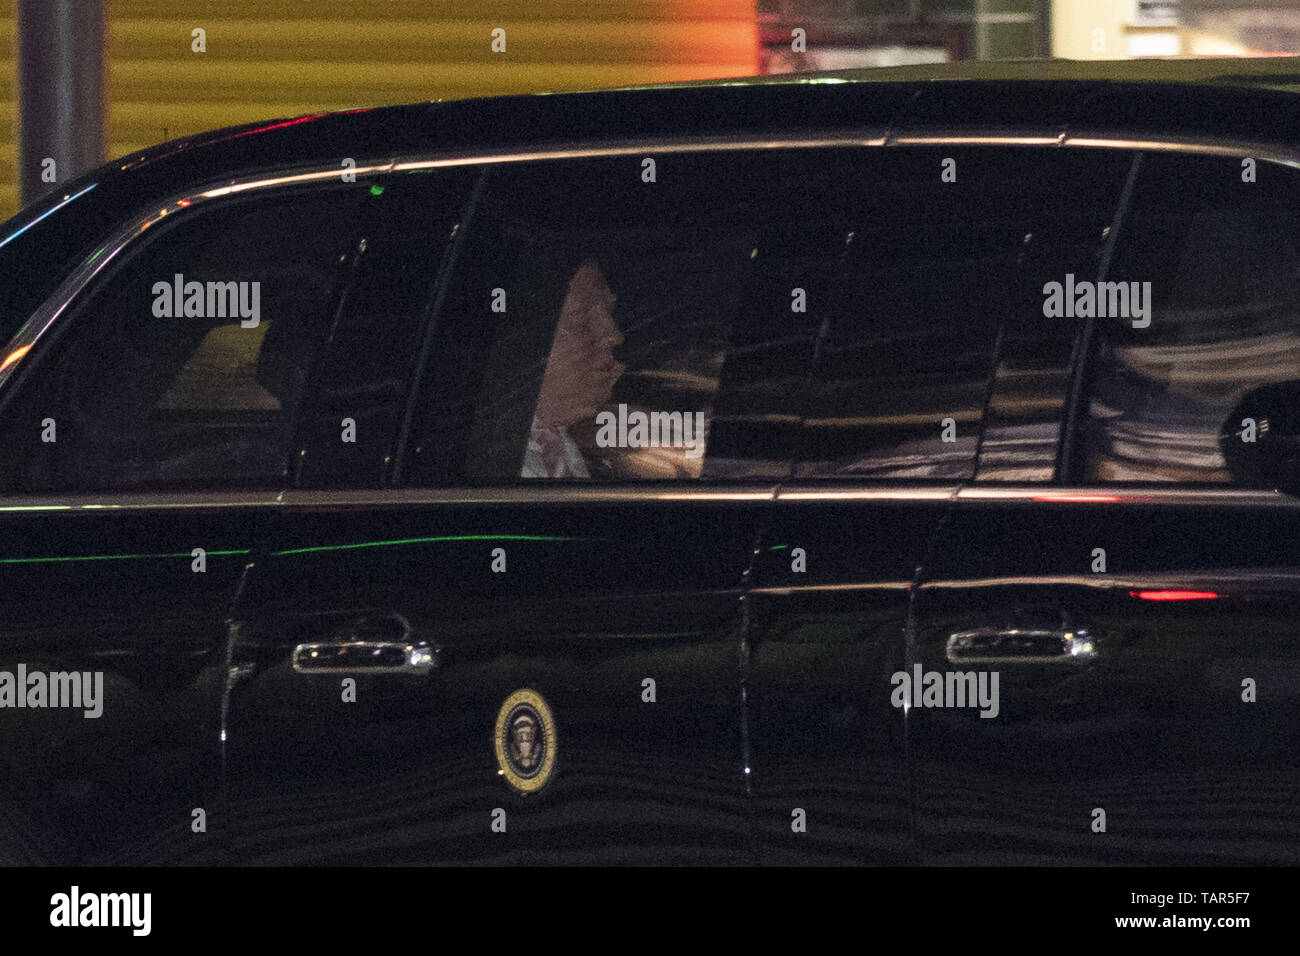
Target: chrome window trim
<point x="139" y="500"/>
<point x="1129" y="494"/>
<point x="540" y="492"/>
<point x="58" y="302"/>
<point x="837" y="489"/>
<point x="1224" y="582"/>
<point x="865" y="137"/>
<point x="649" y="493"/>
<point x="38" y="324"/>
<point x="975" y="137"/>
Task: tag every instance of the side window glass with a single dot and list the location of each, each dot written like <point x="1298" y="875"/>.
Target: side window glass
<point x="349" y="425"/>
<point x="1200" y="379"/>
<point x="944" y="252"/>
<point x="599" y="328"/>
<point x="1073" y="196"/>
<point x="184" y="366"/>
<point x="766" y="315"/>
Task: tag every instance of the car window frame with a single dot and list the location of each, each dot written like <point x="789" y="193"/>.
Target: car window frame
<point x="59" y="315"/>
<point x="1072" y="459"/>
<point x="15" y="367"/>
<point x="867" y="136"/>
<point x="425" y="321"/>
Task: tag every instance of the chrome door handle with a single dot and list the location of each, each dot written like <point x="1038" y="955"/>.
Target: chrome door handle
<point x="364" y="657"/>
<point x="378" y="644"/>
<point x="991" y="645"/>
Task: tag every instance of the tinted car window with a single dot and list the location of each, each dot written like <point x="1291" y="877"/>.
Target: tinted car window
<point x="602" y="326"/>
<point x="349" y="424"/>
<point x="1216" y="261"/>
<point x="819" y="313"/>
<point x="184" y="366"/>
<point x="946" y="249"/>
<point x="1075" y="198"/>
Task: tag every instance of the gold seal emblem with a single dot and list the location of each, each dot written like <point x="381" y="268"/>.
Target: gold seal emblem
<point x="525" y="741"/>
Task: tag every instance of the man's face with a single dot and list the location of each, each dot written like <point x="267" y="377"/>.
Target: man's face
<point x="581" y="370"/>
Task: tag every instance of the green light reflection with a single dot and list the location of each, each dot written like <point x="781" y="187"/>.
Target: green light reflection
<point x="117" y="557"/>
<point x="432" y="540"/>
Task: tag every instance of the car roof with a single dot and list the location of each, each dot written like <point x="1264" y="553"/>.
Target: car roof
<point x="1244" y="100"/>
<point x="1239" y="100"/>
<point x="1253" y="99"/>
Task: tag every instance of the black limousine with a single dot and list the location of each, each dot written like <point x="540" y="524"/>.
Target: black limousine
<point x="829" y="470"/>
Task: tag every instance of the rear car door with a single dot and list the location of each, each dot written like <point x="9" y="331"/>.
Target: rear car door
<point x="146" y="435"/>
<point x="923" y="262"/>
<point x="1139" y="611"/>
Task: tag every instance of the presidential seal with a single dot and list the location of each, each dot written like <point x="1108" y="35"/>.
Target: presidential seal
<point x="525" y="741"/>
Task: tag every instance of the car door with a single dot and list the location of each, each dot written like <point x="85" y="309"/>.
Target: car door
<point x="912" y="316"/>
<point x="490" y="656"/>
<point x="1138" y="611"/>
<point x="146" y="436"/>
